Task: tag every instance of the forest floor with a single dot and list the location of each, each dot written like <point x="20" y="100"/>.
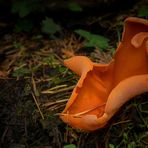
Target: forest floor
<point x="35" y="86"/>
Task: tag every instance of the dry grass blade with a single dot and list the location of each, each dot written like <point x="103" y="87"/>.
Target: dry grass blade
<point x="50" y="106"/>
<point x="86" y="111"/>
<point x="52" y="91"/>
<point x="57" y="87"/>
<point x="122" y="122"/>
<point x="78" y="115"/>
<point x="11" y="59"/>
<point x="55" y="102"/>
<point x="55" y="107"/>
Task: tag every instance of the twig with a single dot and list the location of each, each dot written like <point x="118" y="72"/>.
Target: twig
<point x="4" y="134"/>
<point x="34" y="86"/>
<point x="37" y="105"/>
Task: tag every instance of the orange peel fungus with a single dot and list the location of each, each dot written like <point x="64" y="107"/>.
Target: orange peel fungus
<point x="103" y="88"/>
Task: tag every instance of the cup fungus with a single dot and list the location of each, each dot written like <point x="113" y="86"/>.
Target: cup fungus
<point x="103" y="88"/>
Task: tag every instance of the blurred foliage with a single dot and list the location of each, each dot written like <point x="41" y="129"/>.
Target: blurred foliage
<point x="93" y="39"/>
<point x="143" y="12"/>
<point x="29" y="7"/>
<point x="70" y="146"/>
<point x="50" y="27"/>
<point x="24" y="8"/>
<point x="21" y="7"/>
<point x="74" y="7"/>
<point x="111" y="146"/>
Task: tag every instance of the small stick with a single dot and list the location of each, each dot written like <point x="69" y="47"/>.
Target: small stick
<point x="37" y="105"/>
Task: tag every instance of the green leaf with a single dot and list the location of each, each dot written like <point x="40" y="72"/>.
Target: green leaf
<point x="130" y="146"/>
<point x="21" y="7"/>
<point x="83" y="33"/>
<point x="74" y="7"/>
<point x="21" y="72"/>
<point x="111" y="146"/>
<point x="70" y="146"/>
<point x="50" y="27"/>
<point x="143" y="12"/>
<point x="93" y="39"/>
